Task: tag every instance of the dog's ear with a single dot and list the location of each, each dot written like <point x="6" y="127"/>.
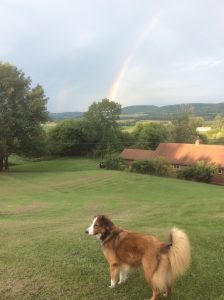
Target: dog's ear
<point x="101" y="217"/>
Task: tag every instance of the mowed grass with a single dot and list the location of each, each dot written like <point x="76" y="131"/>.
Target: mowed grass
<point x="46" y="206"/>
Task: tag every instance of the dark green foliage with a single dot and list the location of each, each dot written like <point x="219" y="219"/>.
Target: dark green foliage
<point x="22" y="109"/>
<point x="184" y="126"/>
<point x="201" y="172"/>
<point x="142" y="166"/>
<point x="102" y="117"/>
<point x="113" y="162"/>
<point x="158" y="166"/>
<point x="127" y="140"/>
<point x="203" y="138"/>
<point x="97" y="133"/>
<point x="71" y="137"/>
<point x="163" y="167"/>
<point x="148" y="136"/>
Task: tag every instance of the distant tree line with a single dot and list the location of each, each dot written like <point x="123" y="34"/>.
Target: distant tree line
<point x="98" y="133"/>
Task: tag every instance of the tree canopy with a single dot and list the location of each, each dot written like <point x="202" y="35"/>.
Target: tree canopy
<point x="71" y="137"/>
<point x="103" y="118"/>
<point x="148" y="136"/>
<point x="184" y="126"/>
<point x="22" y="109"/>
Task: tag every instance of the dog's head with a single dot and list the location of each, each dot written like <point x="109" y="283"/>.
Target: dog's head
<point x="100" y="225"/>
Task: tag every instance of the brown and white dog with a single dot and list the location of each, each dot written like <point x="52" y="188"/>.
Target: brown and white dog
<point x="161" y="262"/>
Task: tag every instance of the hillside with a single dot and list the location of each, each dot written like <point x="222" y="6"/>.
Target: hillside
<point x="152" y="112"/>
<point x="65" y="115"/>
<point x="45" y="253"/>
<point x="206" y="110"/>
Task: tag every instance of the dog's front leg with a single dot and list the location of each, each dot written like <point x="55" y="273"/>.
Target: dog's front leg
<point x="114" y="269"/>
<point x="123" y="274"/>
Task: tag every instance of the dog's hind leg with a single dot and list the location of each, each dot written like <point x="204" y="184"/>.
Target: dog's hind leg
<point x="150" y="265"/>
<point x="167" y="294"/>
<point x="123" y="273"/>
<point x="114" y="269"/>
<point x="155" y="294"/>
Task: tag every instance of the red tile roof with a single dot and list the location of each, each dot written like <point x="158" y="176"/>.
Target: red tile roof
<point x="189" y="154"/>
<point x="137" y="154"/>
<point x="177" y="153"/>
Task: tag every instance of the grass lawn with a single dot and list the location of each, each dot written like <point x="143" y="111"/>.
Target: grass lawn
<point x="46" y="206"/>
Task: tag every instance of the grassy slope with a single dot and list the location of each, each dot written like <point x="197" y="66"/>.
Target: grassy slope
<point x="45" y="207"/>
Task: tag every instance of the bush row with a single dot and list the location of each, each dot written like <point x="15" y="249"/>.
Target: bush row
<point x="201" y="172"/>
<point x="159" y="166"/>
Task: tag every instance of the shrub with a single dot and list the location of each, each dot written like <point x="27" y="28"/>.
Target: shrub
<point x="163" y="167"/>
<point x="113" y="162"/>
<point x="158" y="166"/>
<point x="142" y="166"/>
<point x="201" y="172"/>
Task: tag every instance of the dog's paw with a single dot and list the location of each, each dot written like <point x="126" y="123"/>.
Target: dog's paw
<point x="111" y="286"/>
<point x="122" y="281"/>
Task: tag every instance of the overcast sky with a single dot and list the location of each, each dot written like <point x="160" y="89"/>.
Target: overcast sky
<point x="154" y="52"/>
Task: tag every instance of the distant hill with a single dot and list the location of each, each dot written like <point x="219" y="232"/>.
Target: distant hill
<point x="65" y="115"/>
<point x="205" y="110"/>
<point x="152" y="112"/>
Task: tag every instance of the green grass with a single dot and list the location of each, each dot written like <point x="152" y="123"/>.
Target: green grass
<point x="46" y="206"/>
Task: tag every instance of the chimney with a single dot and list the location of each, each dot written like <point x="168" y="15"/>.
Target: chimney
<point x="197" y="142"/>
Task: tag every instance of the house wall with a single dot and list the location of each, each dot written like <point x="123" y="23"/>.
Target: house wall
<point x="218" y="178"/>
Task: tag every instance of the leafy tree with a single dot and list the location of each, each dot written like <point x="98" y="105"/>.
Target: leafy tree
<point x="149" y="136"/>
<point x="184" y="127"/>
<point x="71" y="137"/>
<point x="22" y="109"/>
<point x="127" y="139"/>
<point x="218" y="122"/>
<point x="102" y="117"/>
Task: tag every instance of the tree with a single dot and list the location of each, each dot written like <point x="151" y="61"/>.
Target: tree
<point x="71" y="137"/>
<point x="103" y="116"/>
<point x="22" y="109"/>
<point x="218" y="122"/>
<point x="184" y="126"/>
<point x="149" y="136"/>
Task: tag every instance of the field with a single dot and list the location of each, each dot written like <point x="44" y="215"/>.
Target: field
<point x="46" y="206"/>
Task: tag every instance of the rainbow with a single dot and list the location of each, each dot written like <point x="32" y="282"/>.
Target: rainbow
<point x="145" y="33"/>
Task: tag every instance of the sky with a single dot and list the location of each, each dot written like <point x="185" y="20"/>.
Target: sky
<point x="135" y="52"/>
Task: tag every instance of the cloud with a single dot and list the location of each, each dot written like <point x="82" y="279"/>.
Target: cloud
<point x="201" y="64"/>
<point x="76" y="49"/>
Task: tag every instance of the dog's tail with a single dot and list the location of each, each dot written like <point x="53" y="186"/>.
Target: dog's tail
<point x="175" y="260"/>
<point x="179" y="252"/>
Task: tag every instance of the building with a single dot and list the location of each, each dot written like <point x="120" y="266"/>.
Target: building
<point x="182" y="155"/>
<point x="203" y="129"/>
<point x="137" y="154"/>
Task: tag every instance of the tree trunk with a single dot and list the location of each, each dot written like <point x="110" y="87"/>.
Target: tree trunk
<point x="6" y="162"/>
<point x="1" y="163"/>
